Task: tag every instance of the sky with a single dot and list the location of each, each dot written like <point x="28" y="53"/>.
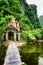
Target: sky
<point x="39" y="4"/>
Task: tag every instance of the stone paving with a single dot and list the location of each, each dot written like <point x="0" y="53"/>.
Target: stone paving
<point x="17" y="43"/>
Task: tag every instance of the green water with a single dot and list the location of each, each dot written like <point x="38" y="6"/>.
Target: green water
<point x="30" y="53"/>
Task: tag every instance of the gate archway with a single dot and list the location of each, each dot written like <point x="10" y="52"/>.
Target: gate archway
<point x="11" y="35"/>
<point x="13" y="31"/>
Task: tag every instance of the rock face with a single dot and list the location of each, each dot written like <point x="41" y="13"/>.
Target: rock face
<point x="12" y="55"/>
<point x="22" y="6"/>
<point x="31" y="12"/>
<point x="41" y="20"/>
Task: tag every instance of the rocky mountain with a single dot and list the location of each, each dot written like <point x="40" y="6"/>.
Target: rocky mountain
<point x="31" y="12"/>
<point x="41" y="20"/>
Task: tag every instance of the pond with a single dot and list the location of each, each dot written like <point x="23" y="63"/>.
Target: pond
<point x="32" y="54"/>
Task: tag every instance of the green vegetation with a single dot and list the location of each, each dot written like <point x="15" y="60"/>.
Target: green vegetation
<point x="28" y="21"/>
<point x="14" y="8"/>
<point x="10" y="9"/>
<point x="29" y="25"/>
<point x="31" y="53"/>
<point x="31" y="12"/>
<point x="3" y="22"/>
<point x="32" y="35"/>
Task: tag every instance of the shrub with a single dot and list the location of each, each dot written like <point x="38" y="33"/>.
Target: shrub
<point x="2" y="54"/>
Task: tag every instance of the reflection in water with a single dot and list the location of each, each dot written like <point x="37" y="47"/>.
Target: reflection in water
<point x="40" y="61"/>
<point x="12" y="55"/>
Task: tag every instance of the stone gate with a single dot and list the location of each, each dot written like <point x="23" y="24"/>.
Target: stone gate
<point x="13" y="28"/>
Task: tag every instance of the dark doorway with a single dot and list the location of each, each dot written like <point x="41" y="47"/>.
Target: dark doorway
<point x="11" y="35"/>
<point x="4" y="38"/>
<point x="17" y="37"/>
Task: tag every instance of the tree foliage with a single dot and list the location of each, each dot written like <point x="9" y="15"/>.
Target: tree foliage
<point x="12" y="8"/>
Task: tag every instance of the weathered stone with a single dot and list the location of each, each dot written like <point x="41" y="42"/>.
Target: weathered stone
<point x="13" y="27"/>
